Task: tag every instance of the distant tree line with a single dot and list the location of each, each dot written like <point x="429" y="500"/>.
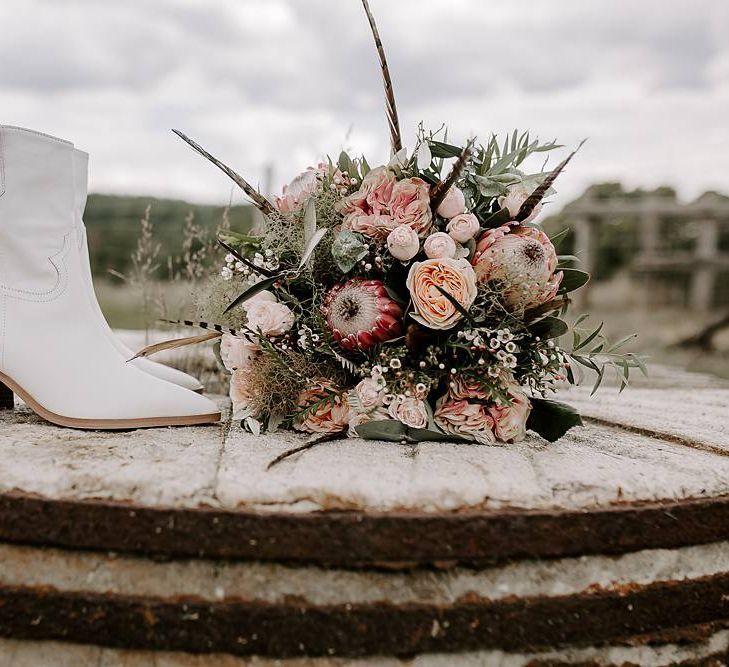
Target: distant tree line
<point x="113" y="225"/>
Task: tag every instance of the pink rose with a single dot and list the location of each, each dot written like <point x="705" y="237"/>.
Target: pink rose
<point x="467" y="388"/>
<point x="471" y="421"/>
<point x="463" y="227"/>
<point x="237" y="351"/>
<point x="523" y="259"/>
<point x="267" y="316"/>
<point x="298" y="192"/>
<point x="453" y="203"/>
<point x="432" y="308"/>
<point x="403" y="243"/>
<point x="514" y="198"/>
<point x="329" y="416"/>
<point x="368" y="395"/>
<point x="510" y="420"/>
<point x="410" y="205"/>
<point x="410" y="411"/>
<point x="367" y="210"/>
<point x="439" y="245"/>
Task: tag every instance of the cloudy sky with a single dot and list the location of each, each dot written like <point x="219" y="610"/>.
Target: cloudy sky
<point x="283" y="82"/>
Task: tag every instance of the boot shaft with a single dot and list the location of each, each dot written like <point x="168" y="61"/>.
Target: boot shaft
<point x="37" y="210"/>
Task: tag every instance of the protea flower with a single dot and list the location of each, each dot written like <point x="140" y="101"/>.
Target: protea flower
<point x="523" y="259"/>
<point x="360" y="314"/>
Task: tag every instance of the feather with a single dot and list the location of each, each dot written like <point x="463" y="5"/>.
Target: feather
<point x="174" y="344"/>
<point x="438" y="192"/>
<point x="203" y="325"/>
<point x="260" y="202"/>
<point x="535" y="197"/>
<point x="392" y="119"/>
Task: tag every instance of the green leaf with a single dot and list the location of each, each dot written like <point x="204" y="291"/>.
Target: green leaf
<point x="573" y="279"/>
<point x="348" y="249"/>
<point x="218" y="356"/>
<point x="253" y="290"/>
<point x="559" y="236"/>
<point x="441" y="149"/>
<point x="549" y="327"/>
<point x="552" y="419"/>
<point x="311" y="246"/>
<point x="392" y="430"/>
<point x="501" y="217"/>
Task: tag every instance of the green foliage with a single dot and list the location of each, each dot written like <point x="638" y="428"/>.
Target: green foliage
<point x="552" y="419"/>
<point x="113" y="228"/>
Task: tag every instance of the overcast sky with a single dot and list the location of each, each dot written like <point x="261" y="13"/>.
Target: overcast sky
<point x="286" y="81"/>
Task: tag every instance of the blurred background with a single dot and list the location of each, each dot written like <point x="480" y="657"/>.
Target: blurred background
<point x="272" y="86"/>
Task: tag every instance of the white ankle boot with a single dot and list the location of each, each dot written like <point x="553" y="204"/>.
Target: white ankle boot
<point x="53" y="353"/>
<point x="81" y="167"/>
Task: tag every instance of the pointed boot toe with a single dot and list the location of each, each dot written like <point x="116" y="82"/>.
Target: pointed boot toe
<point x="53" y="352"/>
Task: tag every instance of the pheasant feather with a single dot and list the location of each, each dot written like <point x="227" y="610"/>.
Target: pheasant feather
<point x="536" y="197"/>
<point x="392" y="118"/>
<point x="439" y="191"/>
<point x="261" y="203"/>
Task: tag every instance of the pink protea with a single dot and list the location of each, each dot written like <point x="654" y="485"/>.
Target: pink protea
<point x="299" y="191"/>
<point x="360" y="314"/>
<point x="523" y="259"/>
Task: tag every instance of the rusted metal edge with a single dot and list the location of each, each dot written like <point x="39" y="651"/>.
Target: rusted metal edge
<point x="296" y="628"/>
<point x="354" y="539"/>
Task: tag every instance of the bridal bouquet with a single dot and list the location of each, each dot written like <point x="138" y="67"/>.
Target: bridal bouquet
<point x="408" y="299"/>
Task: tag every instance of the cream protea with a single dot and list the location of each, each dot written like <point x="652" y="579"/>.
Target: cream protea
<point x="360" y="314"/>
<point x="523" y="260"/>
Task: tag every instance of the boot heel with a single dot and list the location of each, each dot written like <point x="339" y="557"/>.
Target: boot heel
<point x="6" y="398"/>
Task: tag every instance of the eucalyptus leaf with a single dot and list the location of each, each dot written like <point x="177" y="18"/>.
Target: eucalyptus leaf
<point x="253" y="290"/>
<point x="549" y="327"/>
<point x="348" y="249"/>
<point x="443" y="150"/>
<point x="423" y="156"/>
<point x="552" y="419"/>
<point x="501" y="217"/>
<point x="573" y="279"/>
<point x="311" y="246"/>
<point x="389" y="430"/>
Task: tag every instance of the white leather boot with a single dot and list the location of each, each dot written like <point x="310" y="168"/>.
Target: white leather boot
<point x="52" y="352"/>
<point x="81" y="168"/>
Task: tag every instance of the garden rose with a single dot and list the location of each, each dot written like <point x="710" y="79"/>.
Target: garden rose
<point x="510" y="420"/>
<point x="463" y="227"/>
<point x="410" y="205"/>
<point x="523" y="259"/>
<point x="513" y="200"/>
<point x="410" y="411"/>
<point x="453" y="203"/>
<point x="237" y="351"/>
<point x="369" y="395"/>
<point x="467" y="388"/>
<point x="330" y="416"/>
<point x="298" y="192"/>
<point x="403" y="243"/>
<point x="431" y="307"/>
<point x="367" y="210"/>
<point x="468" y="420"/>
<point x="267" y="316"/>
<point x="439" y="245"/>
